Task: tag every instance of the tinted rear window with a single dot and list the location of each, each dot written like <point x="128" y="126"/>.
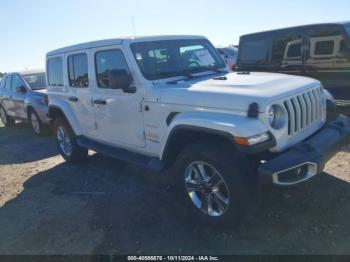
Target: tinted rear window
<point x="55" y="71"/>
<point x="78" y="70"/>
<point x="294" y="51"/>
<point x="324" y="48"/>
<point x="8" y="82"/>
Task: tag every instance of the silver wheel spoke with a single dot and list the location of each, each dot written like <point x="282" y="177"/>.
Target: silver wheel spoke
<point x="205" y="203"/>
<point x="64" y="141"/>
<point x="3" y="116"/>
<point x="35" y="123"/>
<point x="220" y="200"/>
<point x="215" y="180"/>
<point x="207" y="188"/>
<point x="200" y="169"/>
<point x="193" y="186"/>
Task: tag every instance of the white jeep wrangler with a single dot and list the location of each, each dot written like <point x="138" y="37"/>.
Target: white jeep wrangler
<point x="156" y="101"/>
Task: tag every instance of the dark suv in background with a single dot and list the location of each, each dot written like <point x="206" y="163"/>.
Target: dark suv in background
<point x="23" y="97"/>
<point x="320" y="51"/>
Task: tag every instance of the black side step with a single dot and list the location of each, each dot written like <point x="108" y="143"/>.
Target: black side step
<point x="121" y="154"/>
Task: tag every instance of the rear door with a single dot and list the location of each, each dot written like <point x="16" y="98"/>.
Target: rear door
<point x="18" y="97"/>
<point x="80" y="97"/>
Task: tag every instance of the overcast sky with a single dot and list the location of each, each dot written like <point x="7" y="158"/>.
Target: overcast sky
<point x="31" y="28"/>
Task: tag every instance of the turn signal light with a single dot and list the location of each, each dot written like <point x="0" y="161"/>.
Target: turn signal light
<point x="253" y="140"/>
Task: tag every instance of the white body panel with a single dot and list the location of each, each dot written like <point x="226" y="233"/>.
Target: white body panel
<point x="201" y="102"/>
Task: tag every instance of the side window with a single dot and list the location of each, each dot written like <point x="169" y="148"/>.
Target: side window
<point x="324" y="48"/>
<point x="106" y="61"/>
<point x="294" y="51"/>
<point x="78" y="70"/>
<point x="16" y="82"/>
<point x="55" y="71"/>
<point x="2" y="83"/>
<point x="343" y="47"/>
<point x="8" y="82"/>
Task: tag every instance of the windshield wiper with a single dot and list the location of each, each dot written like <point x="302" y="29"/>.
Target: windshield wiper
<point x="204" y="69"/>
<point x="186" y="75"/>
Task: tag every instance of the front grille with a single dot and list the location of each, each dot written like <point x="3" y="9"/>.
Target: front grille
<point x="303" y="110"/>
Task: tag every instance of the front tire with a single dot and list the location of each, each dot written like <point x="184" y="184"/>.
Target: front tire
<point x="216" y="184"/>
<point x="6" y="120"/>
<point x="66" y="142"/>
<point x="37" y="126"/>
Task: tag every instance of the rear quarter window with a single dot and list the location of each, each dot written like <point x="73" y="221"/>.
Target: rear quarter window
<point x="55" y="71"/>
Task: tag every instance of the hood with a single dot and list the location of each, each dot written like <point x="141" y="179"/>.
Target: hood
<point x="40" y="92"/>
<point x="237" y="92"/>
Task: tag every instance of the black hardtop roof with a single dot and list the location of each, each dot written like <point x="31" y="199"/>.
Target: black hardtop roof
<point x="299" y="27"/>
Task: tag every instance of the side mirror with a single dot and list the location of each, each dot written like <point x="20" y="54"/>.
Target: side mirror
<point x="21" y="90"/>
<point x="121" y="79"/>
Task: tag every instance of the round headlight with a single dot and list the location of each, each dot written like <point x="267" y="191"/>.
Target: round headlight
<point x="271" y="115"/>
<point x="277" y="116"/>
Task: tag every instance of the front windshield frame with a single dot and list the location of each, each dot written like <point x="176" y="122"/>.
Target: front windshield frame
<point x="42" y="83"/>
<point x="177" y="44"/>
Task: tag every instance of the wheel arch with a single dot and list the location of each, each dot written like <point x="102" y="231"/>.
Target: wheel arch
<point x="56" y="111"/>
<point x="189" y="127"/>
<point x="184" y="135"/>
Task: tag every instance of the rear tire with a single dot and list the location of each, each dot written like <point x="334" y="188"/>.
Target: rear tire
<point x="229" y="192"/>
<point x="66" y="142"/>
<point x="6" y="120"/>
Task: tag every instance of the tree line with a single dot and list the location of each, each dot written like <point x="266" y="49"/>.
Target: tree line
<point x="2" y="74"/>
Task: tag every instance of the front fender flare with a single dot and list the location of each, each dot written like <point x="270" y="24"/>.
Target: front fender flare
<point x="214" y="123"/>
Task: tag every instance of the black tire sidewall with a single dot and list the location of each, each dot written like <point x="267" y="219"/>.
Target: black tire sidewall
<point x="78" y="153"/>
<point x="234" y="168"/>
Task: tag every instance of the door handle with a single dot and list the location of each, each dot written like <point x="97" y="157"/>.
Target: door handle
<point x="100" y="102"/>
<point x="73" y="99"/>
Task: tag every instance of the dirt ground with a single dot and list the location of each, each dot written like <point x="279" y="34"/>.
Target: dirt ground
<point x="104" y="206"/>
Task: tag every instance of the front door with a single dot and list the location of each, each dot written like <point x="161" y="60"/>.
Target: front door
<point x="118" y="115"/>
<point x="19" y="94"/>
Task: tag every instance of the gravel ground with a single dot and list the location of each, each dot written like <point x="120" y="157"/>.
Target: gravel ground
<point x="104" y="206"/>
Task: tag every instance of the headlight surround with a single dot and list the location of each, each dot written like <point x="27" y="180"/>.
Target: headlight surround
<point x="276" y="116"/>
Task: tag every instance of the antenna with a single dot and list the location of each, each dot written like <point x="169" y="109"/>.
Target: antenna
<point x="133" y="26"/>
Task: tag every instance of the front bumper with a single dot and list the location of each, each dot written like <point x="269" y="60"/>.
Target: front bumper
<point x="308" y="158"/>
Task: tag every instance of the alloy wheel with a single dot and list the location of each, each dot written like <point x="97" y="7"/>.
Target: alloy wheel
<point x="35" y="123"/>
<point x="207" y="188"/>
<point x="3" y="116"/>
<point x="64" y="141"/>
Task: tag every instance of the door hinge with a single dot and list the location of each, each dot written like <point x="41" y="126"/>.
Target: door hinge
<point x="140" y="109"/>
<point x="96" y="125"/>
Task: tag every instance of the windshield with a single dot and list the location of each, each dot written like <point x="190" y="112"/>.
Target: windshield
<point x="36" y="81"/>
<point x="170" y="58"/>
